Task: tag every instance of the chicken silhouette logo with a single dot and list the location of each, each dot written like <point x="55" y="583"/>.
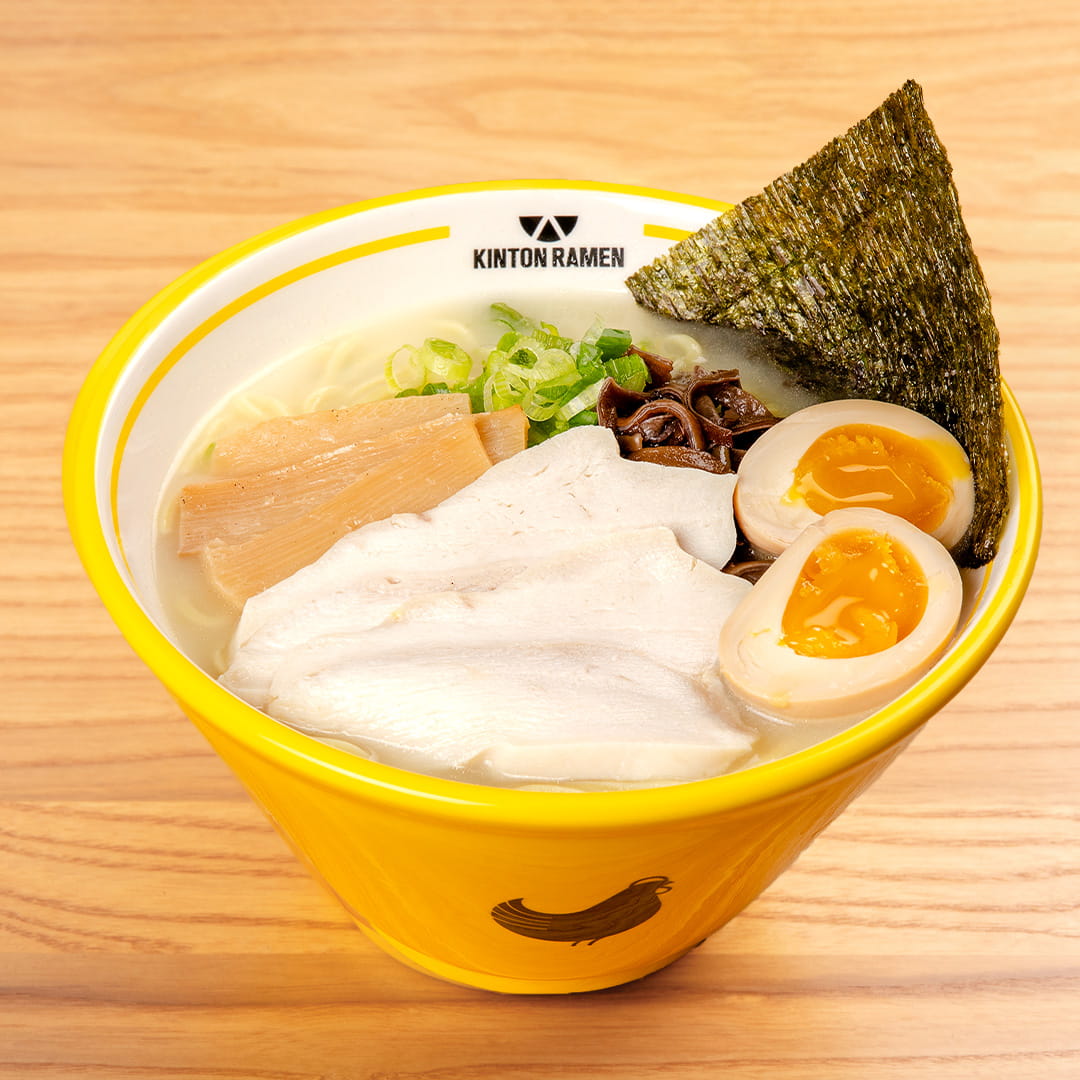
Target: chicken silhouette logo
<point x="630" y="907"/>
<point x="548" y="230"/>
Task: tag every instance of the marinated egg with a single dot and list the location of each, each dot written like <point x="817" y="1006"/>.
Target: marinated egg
<point x="853" y="453"/>
<point x="853" y="612"/>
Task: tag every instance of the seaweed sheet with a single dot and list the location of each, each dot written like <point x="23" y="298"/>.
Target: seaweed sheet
<point x="858" y="265"/>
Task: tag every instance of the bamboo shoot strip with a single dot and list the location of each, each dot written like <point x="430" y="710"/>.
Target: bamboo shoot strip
<point x="236" y="508"/>
<point x="503" y="432"/>
<point x="283" y="440"/>
<point x="412" y="481"/>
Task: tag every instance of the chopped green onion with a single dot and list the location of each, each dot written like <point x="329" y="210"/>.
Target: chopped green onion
<point x="612" y="343"/>
<point x="629" y="371"/>
<point x="583" y="419"/>
<point x="445" y="359"/>
<point x="436" y="361"/>
<point x="554" y="379"/>
<point x="580" y="402"/>
<point x="403" y="370"/>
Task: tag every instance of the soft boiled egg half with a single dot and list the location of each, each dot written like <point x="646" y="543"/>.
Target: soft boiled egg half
<point x="853" y="612"/>
<point x="853" y="453"/>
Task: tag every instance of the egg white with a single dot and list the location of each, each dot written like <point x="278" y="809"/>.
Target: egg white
<point x="768" y="675"/>
<point x="771" y="517"/>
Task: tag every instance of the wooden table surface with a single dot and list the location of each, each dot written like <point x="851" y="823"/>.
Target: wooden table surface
<point x="151" y="922"/>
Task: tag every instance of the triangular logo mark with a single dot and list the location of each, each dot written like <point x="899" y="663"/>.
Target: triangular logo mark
<point x="548" y="230"/>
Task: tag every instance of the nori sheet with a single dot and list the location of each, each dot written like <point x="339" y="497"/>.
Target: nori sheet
<point x="859" y="268"/>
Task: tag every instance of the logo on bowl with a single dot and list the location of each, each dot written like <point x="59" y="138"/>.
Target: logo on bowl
<point x="629" y="907"/>
<point x="550" y="230"/>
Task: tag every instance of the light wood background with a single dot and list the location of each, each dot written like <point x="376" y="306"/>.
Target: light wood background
<point x="151" y="923"/>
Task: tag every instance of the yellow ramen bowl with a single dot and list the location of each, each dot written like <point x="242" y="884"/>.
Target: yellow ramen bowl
<point x="620" y="883"/>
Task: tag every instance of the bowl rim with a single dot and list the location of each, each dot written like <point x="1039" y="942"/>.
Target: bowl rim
<point x="329" y="767"/>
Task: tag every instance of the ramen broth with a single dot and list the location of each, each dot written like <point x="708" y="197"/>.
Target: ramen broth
<point x="350" y="369"/>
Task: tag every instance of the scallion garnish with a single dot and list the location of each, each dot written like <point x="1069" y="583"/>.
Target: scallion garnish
<point x="556" y="380"/>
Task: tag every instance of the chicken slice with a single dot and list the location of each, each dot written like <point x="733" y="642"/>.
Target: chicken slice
<point x="521" y="710"/>
<point x="592" y="665"/>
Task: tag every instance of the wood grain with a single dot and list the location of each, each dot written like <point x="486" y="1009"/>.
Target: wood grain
<point x="151" y="922"/>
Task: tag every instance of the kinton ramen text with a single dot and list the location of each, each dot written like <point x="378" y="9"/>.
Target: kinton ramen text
<point x="527" y="258"/>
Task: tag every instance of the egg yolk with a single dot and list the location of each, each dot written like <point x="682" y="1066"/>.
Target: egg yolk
<point x="859" y="592"/>
<point x="867" y="465"/>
